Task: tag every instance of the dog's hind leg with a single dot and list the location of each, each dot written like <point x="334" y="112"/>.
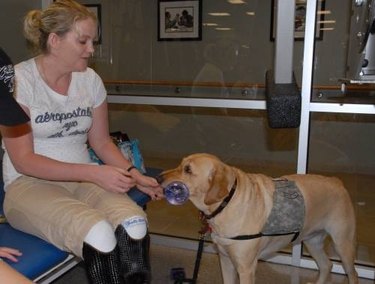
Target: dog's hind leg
<point x="346" y="252"/>
<point x="344" y="244"/>
<point x="343" y="235"/>
<point x="315" y="246"/>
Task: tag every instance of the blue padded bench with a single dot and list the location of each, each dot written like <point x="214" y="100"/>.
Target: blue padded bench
<point x="41" y="261"/>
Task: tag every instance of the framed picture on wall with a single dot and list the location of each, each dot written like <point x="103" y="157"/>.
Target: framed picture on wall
<point x="300" y="19"/>
<point x="97" y="10"/>
<point x="180" y="20"/>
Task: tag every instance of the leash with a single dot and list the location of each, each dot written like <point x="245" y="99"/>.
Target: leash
<point x="202" y="236"/>
<point x="198" y="258"/>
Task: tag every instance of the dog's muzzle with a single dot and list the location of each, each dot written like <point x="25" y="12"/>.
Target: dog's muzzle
<point x="176" y="193"/>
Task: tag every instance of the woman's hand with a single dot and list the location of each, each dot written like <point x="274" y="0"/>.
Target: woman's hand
<point x="148" y="185"/>
<point x="112" y="178"/>
<point x="10" y="253"/>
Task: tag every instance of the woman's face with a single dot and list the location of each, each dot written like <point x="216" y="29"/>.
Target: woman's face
<point x="77" y="46"/>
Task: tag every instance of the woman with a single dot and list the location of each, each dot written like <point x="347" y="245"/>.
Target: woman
<point x="11" y="116"/>
<point x="52" y="189"/>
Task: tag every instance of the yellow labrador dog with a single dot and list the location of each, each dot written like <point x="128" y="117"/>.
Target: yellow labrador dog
<point x="252" y="216"/>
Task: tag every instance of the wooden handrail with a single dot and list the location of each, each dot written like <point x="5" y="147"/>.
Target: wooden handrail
<point x="183" y="83"/>
<point x="351" y="87"/>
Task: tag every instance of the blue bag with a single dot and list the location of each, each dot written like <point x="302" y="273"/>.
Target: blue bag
<point x="128" y="147"/>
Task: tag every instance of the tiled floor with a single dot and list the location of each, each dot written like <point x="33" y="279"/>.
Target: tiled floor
<point x="209" y="272"/>
<point x="164" y="259"/>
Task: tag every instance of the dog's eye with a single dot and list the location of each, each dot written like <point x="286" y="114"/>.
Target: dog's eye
<point x="187" y="169"/>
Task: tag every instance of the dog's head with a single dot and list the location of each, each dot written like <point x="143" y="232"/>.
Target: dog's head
<point x="208" y="179"/>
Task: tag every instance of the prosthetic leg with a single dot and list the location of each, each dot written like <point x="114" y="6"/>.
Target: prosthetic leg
<point x="134" y="257"/>
<point x="102" y="267"/>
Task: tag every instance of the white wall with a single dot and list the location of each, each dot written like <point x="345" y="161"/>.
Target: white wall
<point x="11" y="19"/>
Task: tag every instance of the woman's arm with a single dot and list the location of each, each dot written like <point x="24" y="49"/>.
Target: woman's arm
<point x="109" y="153"/>
<point x="28" y="163"/>
<point x="19" y="145"/>
<point x="7" y="273"/>
<point x="10" y="276"/>
<point x="101" y="142"/>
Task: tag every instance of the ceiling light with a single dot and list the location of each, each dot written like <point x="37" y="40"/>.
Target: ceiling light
<point x="327" y="22"/>
<point x="219" y="14"/>
<point x="324" y="12"/>
<point x="223" y="29"/>
<point x="250" y="13"/>
<point x="210" y="24"/>
<point x="236" y="2"/>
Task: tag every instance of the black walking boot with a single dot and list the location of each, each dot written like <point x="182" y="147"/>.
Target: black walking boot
<point x="101" y="267"/>
<point x="134" y="257"/>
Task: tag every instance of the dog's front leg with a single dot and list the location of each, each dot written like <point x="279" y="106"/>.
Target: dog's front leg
<point x="238" y="262"/>
<point x="228" y="270"/>
<point x="245" y="259"/>
<point x="247" y="274"/>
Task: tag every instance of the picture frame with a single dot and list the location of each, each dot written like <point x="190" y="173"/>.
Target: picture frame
<point x="300" y="20"/>
<point x="97" y="10"/>
<point x="179" y="20"/>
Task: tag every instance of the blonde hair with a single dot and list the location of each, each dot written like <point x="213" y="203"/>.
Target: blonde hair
<point x="59" y="18"/>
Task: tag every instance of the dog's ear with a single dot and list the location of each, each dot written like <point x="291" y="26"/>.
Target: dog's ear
<point x="218" y="185"/>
